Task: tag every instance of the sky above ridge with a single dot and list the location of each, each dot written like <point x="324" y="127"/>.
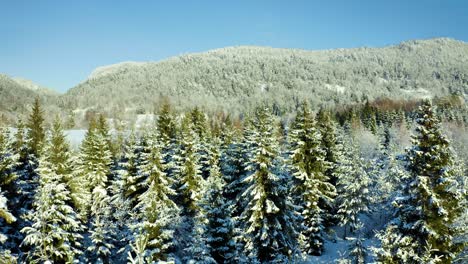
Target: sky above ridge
<point x="57" y="44"/>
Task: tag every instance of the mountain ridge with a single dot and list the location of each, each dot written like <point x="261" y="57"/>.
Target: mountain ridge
<point x="246" y="74"/>
<point x="237" y="78"/>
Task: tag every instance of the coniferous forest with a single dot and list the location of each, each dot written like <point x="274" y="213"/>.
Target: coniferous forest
<point x="386" y="178"/>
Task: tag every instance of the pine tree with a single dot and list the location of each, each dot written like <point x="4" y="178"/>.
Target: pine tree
<point x="36" y="133"/>
<point x="269" y="219"/>
<point x="132" y="180"/>
<point x="158" y="214"/>
<point x="352" y="187"/>
<point x="8" y="197"/>
<point x="167" y="134"/>
<point x="217" y="211"/>
<point x="312" y="187"/>
<point x="92" y="197"/>
<point x="199" y="251"/>
<point x="188" y="169"/>
<point x="329" y="143"/>
<point x="21" y="190"/>
<point x="8" y="218"/>
<point x="431" y="199"/>
<point x="8" y="177"/>
<point x="54" y="234"/>
<point x="166" y="124"/>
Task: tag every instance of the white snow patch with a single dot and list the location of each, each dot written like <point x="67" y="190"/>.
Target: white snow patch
<point x="419" y="93"/>
<point x="335" y="87"/>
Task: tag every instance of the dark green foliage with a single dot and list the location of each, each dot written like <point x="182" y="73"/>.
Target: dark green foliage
<point x="269" y="220"/>
<point x="36" y="130"/>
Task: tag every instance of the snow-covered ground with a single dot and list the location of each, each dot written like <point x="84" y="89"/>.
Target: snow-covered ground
<point x="336" y="250"/>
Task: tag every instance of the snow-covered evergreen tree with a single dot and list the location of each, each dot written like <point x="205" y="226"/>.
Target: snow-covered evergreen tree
<point x="36" y="130"/>
<point x="311" y="184"/>
<point x="7" y="195"/>
<point x="352" y="187"/>
<point x="188" y="169"/>
<point x="217" y="210"/>
<point x="8" y="190"/>
<point x="131" y="180"/>
<point x="158" y="214"/>
<point x="269" y="219"/>
<point x="431" y="199"/>
<point x="199" y="250"/>
<point x="54" y="234"/>
<point x="7" y="218"/>
<point x="93" y="198"/>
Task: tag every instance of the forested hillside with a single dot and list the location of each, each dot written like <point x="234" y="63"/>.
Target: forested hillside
<point x="17" y="96"/>
<point x="237" y="78"/>
<point x="385" y="185"/>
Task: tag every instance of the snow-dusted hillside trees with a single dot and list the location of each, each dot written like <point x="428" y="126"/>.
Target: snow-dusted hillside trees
<point x="237" y="78"/>
<point x="382" y="182"/>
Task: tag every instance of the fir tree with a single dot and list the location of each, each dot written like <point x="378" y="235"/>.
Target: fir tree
<point x="93" y="169"/>
<point x="8" y="218"/>
<point x="312" y="186"/>
<point x="8" y="197"/>
<point x="54" y="234"/>
<point x="217" y="211"/>
<point x="188" y="169"/>
<point x="8" y="177"/>
<point x="431" y="200"/>
<point x="36" y="132"/>
<point x="166" y="124"/>
<point x="132" y="180"/>
<point x="352" y="187"/>
<point x="158" y="214"/>
<point x="269" y="219"/>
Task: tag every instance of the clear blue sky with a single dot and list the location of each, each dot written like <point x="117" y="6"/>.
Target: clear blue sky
<point x="58" y="43"/>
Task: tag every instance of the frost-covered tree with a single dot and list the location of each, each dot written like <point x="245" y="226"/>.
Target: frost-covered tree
<point x="219" y="227"/>
<point x="166" y="124"/>
<point x="188" y="169"/>
<point x="7" y="182"/>
<point x="199" y="251"/>
<point x="54" y="234"/>
<point x="131" y="180"/>
<point x="431" y="200"/>
<point x="352" y="187"/>
<point x="311" y="184"/>
<point x="7" y="218"/>
<point x="8" y="189"/>
<point x="158" y="214"/>
<point x="269" y="219"/>
<point x="329" y="143"/>
<point x="93" y="169"/>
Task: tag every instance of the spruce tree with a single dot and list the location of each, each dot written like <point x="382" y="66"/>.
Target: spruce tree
<point x="8" y="197"/>
<point x="158" y="214"/>
<point x="36" y="130"/>
<point x="92" y="196"/>
<point x="132" y="180"/>
<point x="352" y="187"/>
<point x="431" y="200"/>
<point x="166" y="124"/>
<point x="188" y="169"/>
<point x="54" y="234"/>
<point x="217" y="211"/>
<point x="6" y="218"/>
<point x="311" y="187"/>
<point x="269" y="219"/>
